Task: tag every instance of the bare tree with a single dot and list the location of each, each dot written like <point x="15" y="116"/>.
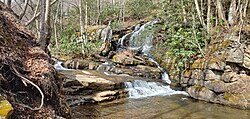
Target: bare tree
<point x="24" y="8"/>
<point x="45" y="29"/>
<point x="86" y="21"/>
<point x="199" y="13"/>
<point x="208" y="14"/>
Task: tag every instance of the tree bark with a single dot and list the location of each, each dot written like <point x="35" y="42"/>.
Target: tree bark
<point x="208" y="15"/>
<point x="81" y="18"/>
<point x="199" y="13"/>
<point x="45" y="30"/>
<point x="232" y="12"/>
<point x="86" y="21"/>
<point x="220" y="10"/>
<point x="245" y="8"/>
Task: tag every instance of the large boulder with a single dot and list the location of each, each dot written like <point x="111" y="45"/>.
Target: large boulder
<point x="224" y="76"/>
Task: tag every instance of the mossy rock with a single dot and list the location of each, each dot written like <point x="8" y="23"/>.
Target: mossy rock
<point x="187" y="73"/>
<point x="232" y="97"/>
<point x="198" y="64"/>
<point x="215" y="46"/>
<point x="5" y="109"/>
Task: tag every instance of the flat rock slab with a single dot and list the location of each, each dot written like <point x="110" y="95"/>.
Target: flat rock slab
<point x="88" y="86"/>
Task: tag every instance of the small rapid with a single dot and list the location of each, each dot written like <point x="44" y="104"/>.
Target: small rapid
<point x="58" y="66"/>
<point x="140" y="89"/>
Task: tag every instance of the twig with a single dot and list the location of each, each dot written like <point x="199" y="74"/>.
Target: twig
<point x="28" y="81"/>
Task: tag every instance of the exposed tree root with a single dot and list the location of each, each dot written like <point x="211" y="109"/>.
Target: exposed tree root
<point x="28" y="81"/>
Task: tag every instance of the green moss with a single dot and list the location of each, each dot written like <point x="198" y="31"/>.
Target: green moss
<point x="231" y="97"/>
<point x="187" y="73"/>
<point x="198" y="64"/>
<point x="199" y="88"/>
<point x="5" y="109"/>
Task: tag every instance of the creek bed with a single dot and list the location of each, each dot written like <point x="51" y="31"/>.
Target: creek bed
<point x="162" y="107"/>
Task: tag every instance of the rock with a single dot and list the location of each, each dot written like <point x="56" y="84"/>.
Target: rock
<point x="246" y="60"/>
<point x="93" y="65"/>
<point x="105" y="48"/>
<point x="198" y="64"/>
<point x="216" y="64"/>
<point x="228" y="76"/>
<point x="196" y="74"/>
<point x="5" y="109"/>
<point x="192" y="82"/>
<point x="187" y="73"/>
<point x="235" y="55"/>
<point x="81" y="64"/>
<point x="201" y="93"/>
<point x="216" y="86"/>
<point x="110" y="95"/>
<point x="212" y="75"/>
<point x="126" y="58"/>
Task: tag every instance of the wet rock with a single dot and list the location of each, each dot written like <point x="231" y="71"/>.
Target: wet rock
<point x="140" y="70"/>
<point x="201" y="93"/>
<point x="110" y="95"/>
<point x="81" y="64"/>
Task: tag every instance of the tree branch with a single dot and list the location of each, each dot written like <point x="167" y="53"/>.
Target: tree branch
<point x="37" y="14"/>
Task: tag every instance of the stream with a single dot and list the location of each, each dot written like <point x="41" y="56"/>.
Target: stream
<point x="159" y="107"/>
<point x="149" y="99"/>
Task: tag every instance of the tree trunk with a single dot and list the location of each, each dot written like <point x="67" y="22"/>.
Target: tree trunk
<point x="22" y="13"/>
<point x="208" y="15"/>
<point x="45" y="31"/>
<point x="199" y="13"/>
<point x="61" y="15"/>
<point x="245" y="8"/>
<point x="220" y="10"/>
<point x="232" y="12"/>
<point x="81" y="18"/>
<point x="86" y="21"/>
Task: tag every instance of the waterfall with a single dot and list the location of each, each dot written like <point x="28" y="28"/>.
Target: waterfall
<point x="141" y="40"/>
<point x="140" y="88"/>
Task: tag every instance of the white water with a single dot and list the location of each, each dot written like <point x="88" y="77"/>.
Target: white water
<point x="140" y="89"/>
<point x="58" y="66"/>
<point x="141" y="39"/>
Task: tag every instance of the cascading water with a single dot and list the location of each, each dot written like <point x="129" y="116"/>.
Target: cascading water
<point x="58" y="66"/>
<point x="141" y="39"/>
<point x="140" y="88"/>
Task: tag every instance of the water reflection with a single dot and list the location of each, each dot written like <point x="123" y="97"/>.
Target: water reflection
<point x="161" y="107"/>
